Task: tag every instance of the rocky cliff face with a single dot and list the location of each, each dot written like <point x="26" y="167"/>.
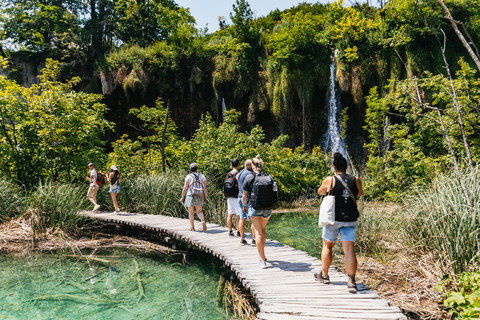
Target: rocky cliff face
<point x="303" y="119"/>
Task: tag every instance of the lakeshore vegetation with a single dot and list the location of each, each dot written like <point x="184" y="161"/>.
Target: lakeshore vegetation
<point x="134" y="83"/>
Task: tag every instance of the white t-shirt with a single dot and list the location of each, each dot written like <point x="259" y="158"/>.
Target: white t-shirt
<point x="190" y="178"/>
<point x="93" y="178"/>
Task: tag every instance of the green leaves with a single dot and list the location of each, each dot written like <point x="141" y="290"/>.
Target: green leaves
<point x="49" y="130"/>
<point x="462" y="296"/>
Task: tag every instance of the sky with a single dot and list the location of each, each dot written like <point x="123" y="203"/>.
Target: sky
<point x="207" y="11"/>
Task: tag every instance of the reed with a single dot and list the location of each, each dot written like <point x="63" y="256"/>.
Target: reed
<point x="444" y="222"/>
<point x="52" y="205"/>
<point x="377" y="231"/>
<point x="12" y="200"/>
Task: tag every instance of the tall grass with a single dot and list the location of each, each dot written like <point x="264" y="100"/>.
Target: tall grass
<point x="442" y="220"/>
<point x="378" y="229"/>
<point x="55" y="206"/>
<point x="12" y="200"/>
<point x="160" y="194"/>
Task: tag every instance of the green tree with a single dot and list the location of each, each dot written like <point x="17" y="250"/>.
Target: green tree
<point x="49" y="130"/>
<point x="41" y="25"/>
<point x="146" y="21"/>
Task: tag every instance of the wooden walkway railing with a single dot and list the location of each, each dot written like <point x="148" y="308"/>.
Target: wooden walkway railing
<point x="286" y="290"/>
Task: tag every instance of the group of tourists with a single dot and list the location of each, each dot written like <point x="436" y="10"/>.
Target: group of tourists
<point x="251" y="194"/>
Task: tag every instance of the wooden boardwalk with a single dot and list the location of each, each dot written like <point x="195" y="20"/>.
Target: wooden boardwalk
<point x="286" y="290"/>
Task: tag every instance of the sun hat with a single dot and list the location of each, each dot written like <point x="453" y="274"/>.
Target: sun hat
<point x="193" y="165"/>
<point x="114" y="167"/>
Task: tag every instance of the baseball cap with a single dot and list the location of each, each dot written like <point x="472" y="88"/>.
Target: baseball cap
<point x="193" y="165"/>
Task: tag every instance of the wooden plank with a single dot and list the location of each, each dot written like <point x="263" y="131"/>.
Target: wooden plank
<point x="286" y="290"/>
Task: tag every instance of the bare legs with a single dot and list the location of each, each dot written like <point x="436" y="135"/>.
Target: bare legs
<point x="350" y="257"/>
<point x="230" y="222"/>
<point x="114" y="200"/>
<point x="327" y="256"/>
<point x="241" y="227"/>
<point x="198" y="209"/>
<point x="259" y="224"/>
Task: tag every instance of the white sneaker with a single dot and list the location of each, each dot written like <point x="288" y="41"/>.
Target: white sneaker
<point x="96" y="208"/>
<point x="115" y="212"/>
<point x="262" y="264"/>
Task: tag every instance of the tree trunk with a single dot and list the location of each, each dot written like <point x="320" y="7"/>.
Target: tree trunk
<point x="460" y="35"/>
<point x="457" y="107"/>
<point x="163" y="136"/>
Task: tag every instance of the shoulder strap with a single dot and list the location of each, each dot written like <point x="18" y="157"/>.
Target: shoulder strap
<point x="346" y="187"/>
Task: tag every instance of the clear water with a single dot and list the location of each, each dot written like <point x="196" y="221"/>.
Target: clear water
<point x="120" y="284"/>
<point x="299" y="230"/>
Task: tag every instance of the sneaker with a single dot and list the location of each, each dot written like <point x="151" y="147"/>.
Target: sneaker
<point x="96" y="208"/>
<point x="352" y="287"/>
<point x="262" y="264"/>
<point x="238" y="234"/>
<point x="243" y="242"/>
<point x="254" y="244"/>
<point x="114" y="212"/>
<point x="322" y="279"/>
<point x="230" y="233"/>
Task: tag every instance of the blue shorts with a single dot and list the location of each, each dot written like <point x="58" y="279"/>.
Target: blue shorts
<point x="347" y="231"/>
<point x="116" y="190"/>
<point x="259" y="213"/>
<point x="242" y="215"/>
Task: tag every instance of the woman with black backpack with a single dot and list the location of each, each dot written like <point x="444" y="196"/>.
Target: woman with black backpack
<point x="259" y="197"/>
<point x="114" y="178"/>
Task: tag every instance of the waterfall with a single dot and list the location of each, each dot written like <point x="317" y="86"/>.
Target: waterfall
<point x="333" y="141"/>
<point x="223" y="109"/>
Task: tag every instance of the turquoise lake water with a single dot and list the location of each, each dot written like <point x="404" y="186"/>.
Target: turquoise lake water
<point x="120" y="284"/>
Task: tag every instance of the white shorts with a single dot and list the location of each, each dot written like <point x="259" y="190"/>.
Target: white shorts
<point x="233" y="207"/>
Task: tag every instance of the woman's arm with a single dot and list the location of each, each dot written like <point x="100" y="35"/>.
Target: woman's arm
<point x="205" y="190"/>
<point x="244" y="201"/>
<point x="359" y="187"/>
<point x="109" y="177"/>
<point x="325" y="187"/>
<point x="185" y="187"/>
<point x="120" y="178"/>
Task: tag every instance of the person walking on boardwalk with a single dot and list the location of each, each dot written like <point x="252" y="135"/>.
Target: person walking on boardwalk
<point x="346" y="189"/>
<point x="230" y="189"/>
<point x="93" y="188"/>
<point x="195" y="190"/>
<point x="259" y="196"/>
<point x="243" y="216"/>
<point x="114" y="178"/>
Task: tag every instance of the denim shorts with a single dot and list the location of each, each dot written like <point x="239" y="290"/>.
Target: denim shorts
<point x="116" y="190"/>
<point x="242" y="214"/>
<point x="347" y="230"/>
<point x="259" y="213"/>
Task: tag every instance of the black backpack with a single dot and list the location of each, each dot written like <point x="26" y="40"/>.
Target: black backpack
<point x="230" y="185"/>
<point x="264" y="192"/>
<point x="99" y="178"/>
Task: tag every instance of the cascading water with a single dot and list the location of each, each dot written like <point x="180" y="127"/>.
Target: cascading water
<point x="333" y="141"/>
<point x="223" y="109"/>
